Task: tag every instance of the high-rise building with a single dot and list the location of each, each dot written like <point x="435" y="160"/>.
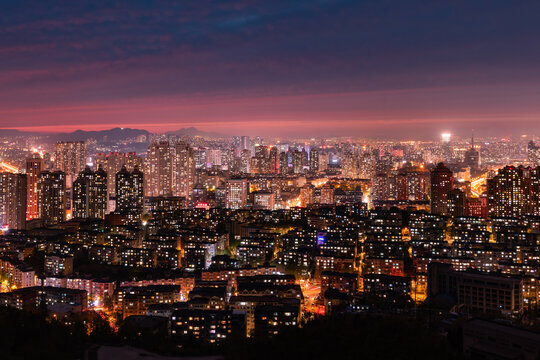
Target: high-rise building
<point x="129" y="191"/>
<point x="413" y="184"/>
<point x="227" y="159"/>
<point x="324" y="159"/>
<point x="260" y="163"/>
<point x="509" y="192"/>
<point x="13" y="200"/>
<point x="34" y="166"/>
<point x="123" y="189"/>
<point x="245" y="143"/>
<point x="221" y="196"/>
<point x="52" y="197"/>
<point x="90" y="194"/>
<point x="380" y="191"/>
<point x="284" y="163"/>
<point x="327" y="194"/>
<point x="313" y="160"/>
<point x="350" y="165"/>
<point x="367" y="165"/>
<point x="261" y="151"/>
<point x="70" y="158"/>
<point x="305" y="158"/>
<point x="237" y="192"/>
<point x="200" y="157"/>
<point x="273" y="160"/>
<point x="112" y="163"/>
<point x="402" y="186"/>
<point x="183" y="170"/>
<point x="213" y="157"/>
<point x="472" y="157"/>
<point x="533" y="182"/>
<point x="533" y="153"/>
<point x="306" y="195"/>
<point x="236" y="142"/>
<point x="297" y="162"/>
<point x="245" y="157"/>
<point x="157" y="170"/>
<point x="442" y="182"/>
<point x="457" y="203"/>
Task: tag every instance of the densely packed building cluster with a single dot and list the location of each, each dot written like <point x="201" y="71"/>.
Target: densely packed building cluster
<point x="218" y="238"/>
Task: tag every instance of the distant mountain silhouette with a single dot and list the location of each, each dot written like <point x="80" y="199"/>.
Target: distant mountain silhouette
<point x="13" y="132"/>
<point x="111" y="135"/>
<point x="193" y="131"/>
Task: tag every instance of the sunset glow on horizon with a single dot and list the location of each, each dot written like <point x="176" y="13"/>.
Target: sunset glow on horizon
<point x="243" y="67"/>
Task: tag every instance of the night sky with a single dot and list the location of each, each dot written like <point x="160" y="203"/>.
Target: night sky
<point x="361" y="68"/>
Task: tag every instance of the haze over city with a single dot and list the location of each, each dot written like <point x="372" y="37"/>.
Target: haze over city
<point x="370" y="68"/>
<point x="284" y="179"/>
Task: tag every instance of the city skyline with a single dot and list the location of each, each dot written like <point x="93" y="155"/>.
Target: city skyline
<point x="85" y="133"/>
<point x="327" y="68"/>
<point x="292" y="179"/>
<point x="228" y="241"/>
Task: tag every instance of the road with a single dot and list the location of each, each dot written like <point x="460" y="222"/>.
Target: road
<point x="311" y="292"/>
